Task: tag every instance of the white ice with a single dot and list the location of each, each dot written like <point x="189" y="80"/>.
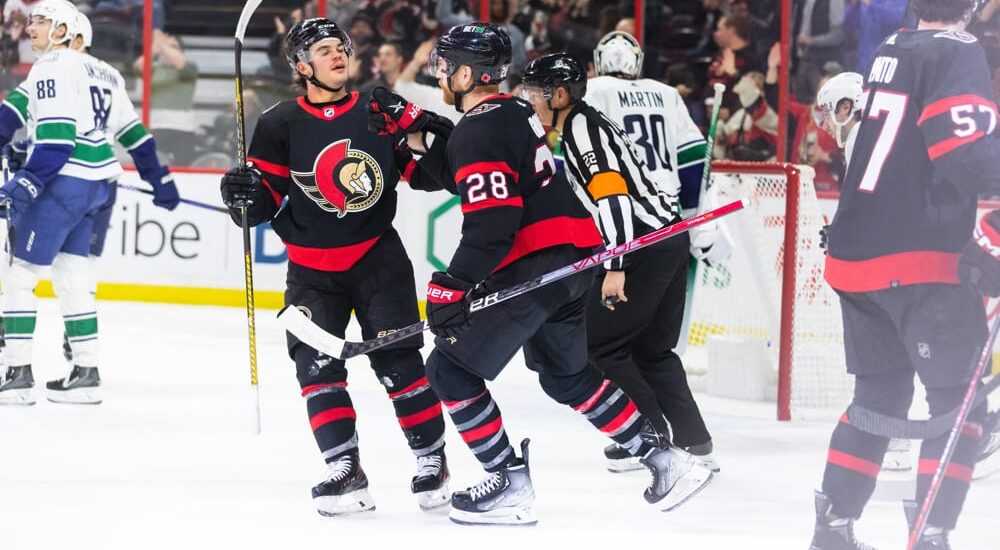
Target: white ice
<point x="169" y="461"/>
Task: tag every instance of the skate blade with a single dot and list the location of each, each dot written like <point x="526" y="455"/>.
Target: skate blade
<point x="435" y="498"/>
<point x="690" y="484"/>
<point x="898" y="461"/>
<point x="350" y="503"/>
<point x="708" y="461"/>
<point x="515" y="516"/>
<point x="624" y="465"/>
<point x="79" y="396"/>
<point x="17" y="397"/>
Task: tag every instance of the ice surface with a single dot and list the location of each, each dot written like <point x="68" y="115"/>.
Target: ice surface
<point x="169" y="461"/>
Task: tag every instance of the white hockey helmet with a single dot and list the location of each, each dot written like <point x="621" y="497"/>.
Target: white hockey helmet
<point x="618" y="54"/>
<point x="846" y="86"/>
<point x="60" y="12"/>
<point x="84" y="29"/>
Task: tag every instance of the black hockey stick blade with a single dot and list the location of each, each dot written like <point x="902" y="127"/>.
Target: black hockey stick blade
<point x="298" y="324"/>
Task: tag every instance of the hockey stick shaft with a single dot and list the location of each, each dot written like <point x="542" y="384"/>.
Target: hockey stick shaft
<point x="706" y="171"/>
<point x="241" y="152"/>
<point x="296" y="322"/>
<point x="198" y="204"/>
<point x="956" y="431"/>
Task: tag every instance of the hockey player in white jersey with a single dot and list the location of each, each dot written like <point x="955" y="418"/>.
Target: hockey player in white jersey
<point x="52" y="201"/>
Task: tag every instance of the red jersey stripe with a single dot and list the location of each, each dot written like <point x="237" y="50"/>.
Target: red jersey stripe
<point x="944" y="105"/>
<point x="270" y="167"/>
<point x="484" y="168"/>
<point x="419" y="418"/>
<point x="579" y="232"/>
<point x="904" y="268"/>
<point x="339" y="258"/>
<point x="328" y="112"/>
<point x="859" y="465"/>
<point x="332" y="415"/>
<point x="516" y="202"/>
<point x="944" y="147"/>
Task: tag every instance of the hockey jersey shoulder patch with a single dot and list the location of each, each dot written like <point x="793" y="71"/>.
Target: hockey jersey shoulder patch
<point x="482" y="109"/>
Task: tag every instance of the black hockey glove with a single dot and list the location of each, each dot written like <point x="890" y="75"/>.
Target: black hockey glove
<point x="980" y="262"/>
<point x="16" y="153"/>
<point x="448" y="302"/>
<point x="389" y="113"/>
<point x="239" y="186"/>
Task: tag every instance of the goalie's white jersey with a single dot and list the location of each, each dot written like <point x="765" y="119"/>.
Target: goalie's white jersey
<point x="658" y="123"/>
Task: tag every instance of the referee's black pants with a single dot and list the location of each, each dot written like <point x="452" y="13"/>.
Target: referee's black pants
<point x="634" y="344"/>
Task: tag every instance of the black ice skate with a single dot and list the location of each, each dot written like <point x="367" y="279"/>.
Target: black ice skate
<point x="430" y="484"/>
<point x="81" y="387"/>
<point x="933" y="538"/>
<point x="16" y="386"/>
<point x="988" y="462"/>
<point x="501" y="498"/>
<point x="620" y="460"/>
<point x="833" y="533"/>
<point x="345" y="490"/>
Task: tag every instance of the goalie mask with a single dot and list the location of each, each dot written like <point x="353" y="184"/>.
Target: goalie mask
<point x="618" y="54"/>
<point x="839" y="101"/>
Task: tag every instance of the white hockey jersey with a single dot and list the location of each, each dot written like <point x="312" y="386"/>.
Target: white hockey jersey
<point x="70" y="98"/>
<point x="657" y="121"/>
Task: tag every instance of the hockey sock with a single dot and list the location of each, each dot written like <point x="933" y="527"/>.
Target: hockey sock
<point x="615" y="415"/>
<point x="852" y="467"/>
<point x="19" y="311"/>
<point x="72" y="280"/>
<point x="417" y="407"/>
<point x="332" y="417"/>
<point x="958" y="473"/>
<point x="479" y="423"/>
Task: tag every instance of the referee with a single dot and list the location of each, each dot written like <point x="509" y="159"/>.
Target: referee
<point x="631" y="341"/>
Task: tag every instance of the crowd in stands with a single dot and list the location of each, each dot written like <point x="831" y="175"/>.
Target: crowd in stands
<point x="689" y="44"/>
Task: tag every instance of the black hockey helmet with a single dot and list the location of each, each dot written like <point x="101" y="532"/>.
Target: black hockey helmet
<point x="307" y="32"/>
<point x="484" y="47"/>
<point x="556" y="70"/>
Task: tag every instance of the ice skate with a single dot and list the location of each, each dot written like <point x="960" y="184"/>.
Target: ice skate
<point x="430" y="483"/>
<point x="504" y="497"/>
<point x="833" y="533"/>
<point x="17" y="386"/>
<point x="345" y="491"/>
<point x="81" y="387"/>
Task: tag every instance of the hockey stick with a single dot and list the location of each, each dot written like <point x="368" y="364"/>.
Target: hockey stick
<point x="241" y="152"/>
<point x="956" y="431"/>
<point x="183" y="200"/>
<point x="299" y="325"/>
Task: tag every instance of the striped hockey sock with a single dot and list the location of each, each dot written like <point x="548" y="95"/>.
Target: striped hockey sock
<point x="332" y="417"/>
<point x="419" y="413"/>
<point x="615" y="415"/>
<point x="852" y="467"/>
<point x="479" y="423"/>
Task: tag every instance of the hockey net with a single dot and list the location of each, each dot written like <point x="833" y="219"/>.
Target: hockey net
<point x="769" y="299"/>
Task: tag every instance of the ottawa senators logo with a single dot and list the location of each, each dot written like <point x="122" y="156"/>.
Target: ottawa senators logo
<point x="343" y="179"/>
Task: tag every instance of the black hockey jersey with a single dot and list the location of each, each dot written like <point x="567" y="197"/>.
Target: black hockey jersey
<point x="339" y="180"/>
<point x="925" y="150"/>
<point x="513" y="202"/>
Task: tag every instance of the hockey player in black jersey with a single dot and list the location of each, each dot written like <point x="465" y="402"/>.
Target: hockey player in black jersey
<point x="520" y="220"/>
<point x="924" y="152"/>
<point x="631" y="342"/>
<point x="327" y="185"/>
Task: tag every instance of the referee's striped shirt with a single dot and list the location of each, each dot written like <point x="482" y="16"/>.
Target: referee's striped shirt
<point x="600" y="159"/>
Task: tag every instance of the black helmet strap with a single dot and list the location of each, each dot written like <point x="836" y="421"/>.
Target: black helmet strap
<point x="460" y="94"/>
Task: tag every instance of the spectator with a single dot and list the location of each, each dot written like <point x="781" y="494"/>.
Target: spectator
<point x="874" y="21"/>
<point x="751" y="133"/>
<point x="276" y="47"/>
<point x="172" y="119"/>
<point x="366" y="41"/>
<point x="819" y="35"/>
<point x="679" y="76"/>
<point x="735" y="59"/>
<point x="388" y="65"/>
<point x="18" y="12"/>
<point x="428" y="97"/>
<point x="538" y="44"/>
<point x="10" y="55"/>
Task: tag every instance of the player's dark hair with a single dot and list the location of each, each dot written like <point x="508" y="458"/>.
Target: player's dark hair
<point x="942" y="11"/>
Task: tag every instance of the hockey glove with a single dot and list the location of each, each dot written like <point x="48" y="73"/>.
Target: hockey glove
<point x="164" y="190"/>
<point x="16" y="153"/>
<point x="22" y="189"/>
<point x="389" y="113"/>
<point x="448" y="301"/>
<point x="710" y="243"/>
<point x="239" y="186"/>
<point x="980" y="262"/>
